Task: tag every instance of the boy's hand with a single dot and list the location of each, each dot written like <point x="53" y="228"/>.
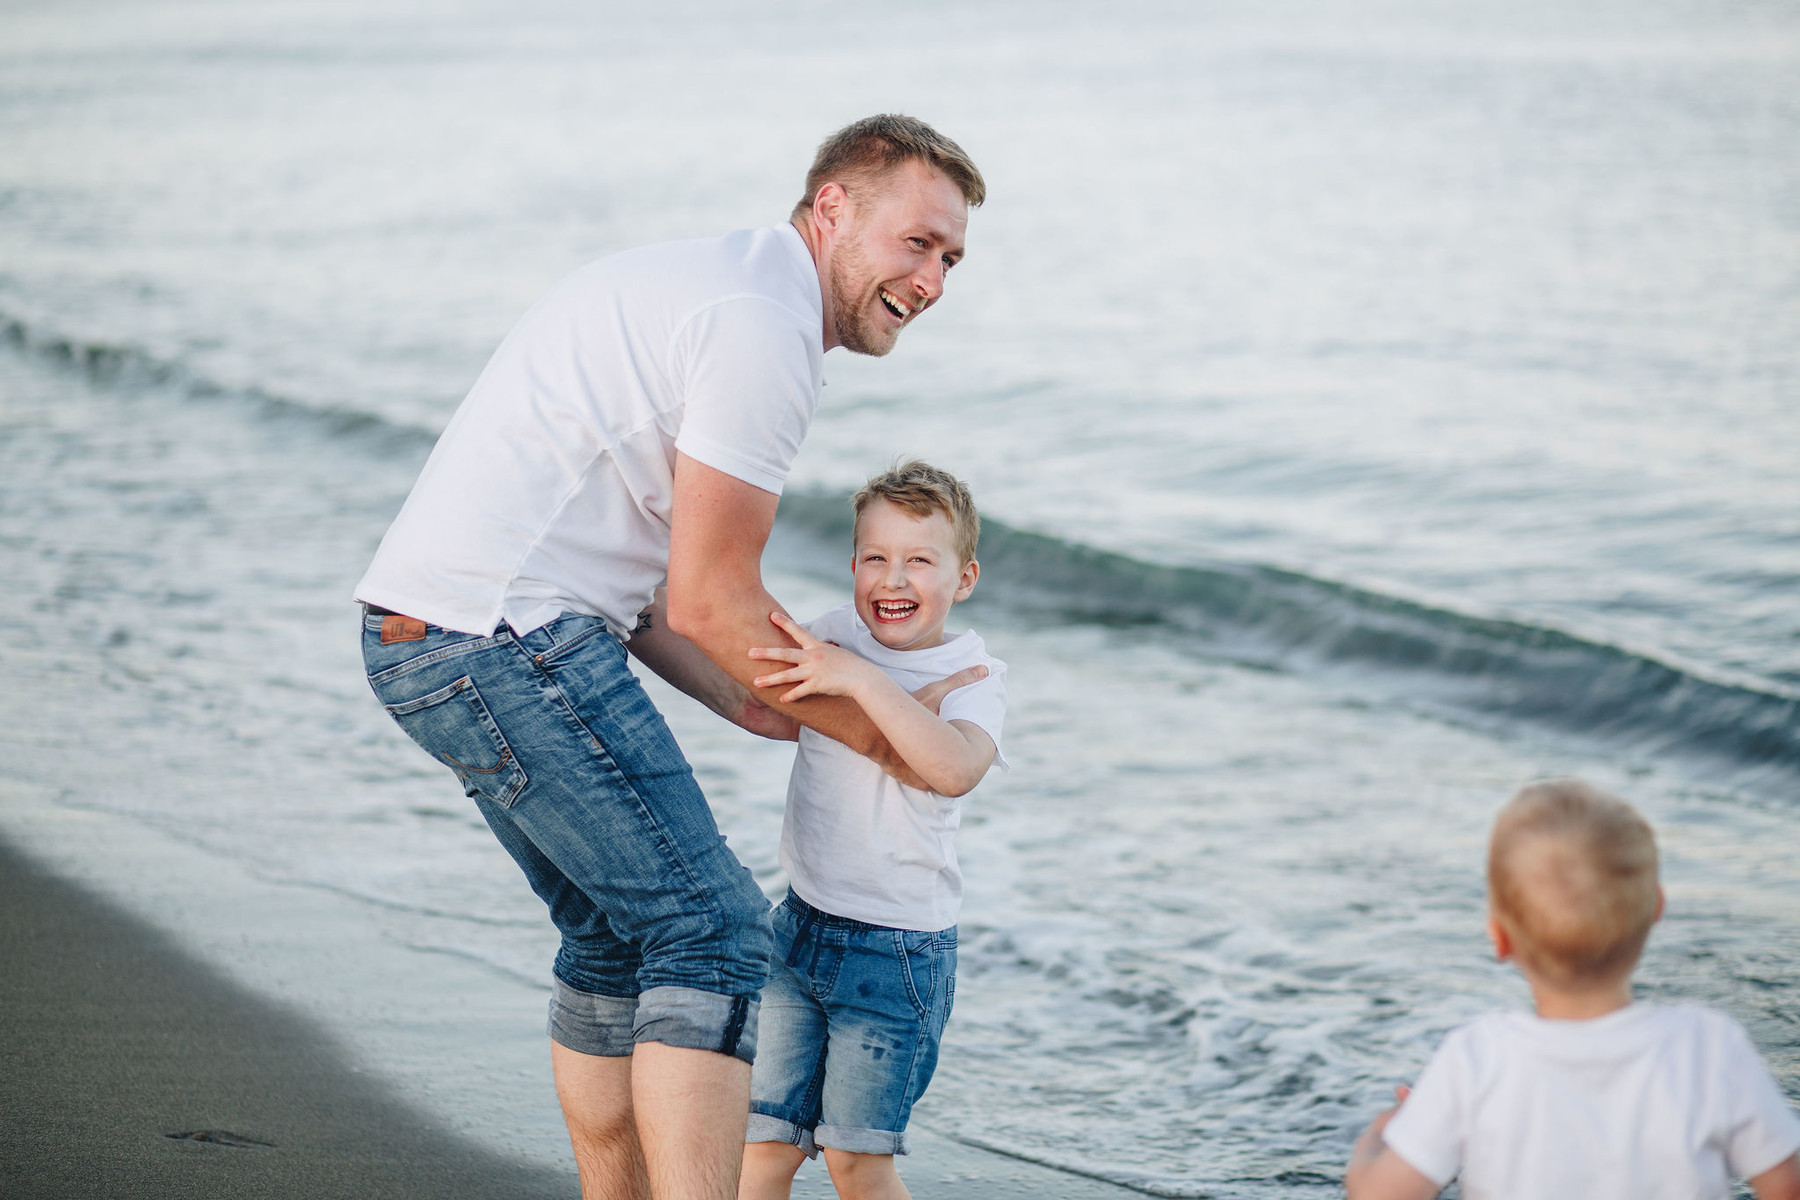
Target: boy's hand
<point x="819" y="668"/>
<point x="932" y="694"/>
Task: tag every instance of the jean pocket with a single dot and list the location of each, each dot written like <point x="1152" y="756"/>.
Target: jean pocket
<point x="455" y="727"/>
<point x="923" y="961"/>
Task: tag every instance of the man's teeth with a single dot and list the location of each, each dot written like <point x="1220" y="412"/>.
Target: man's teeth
<point x="894" y="305"/>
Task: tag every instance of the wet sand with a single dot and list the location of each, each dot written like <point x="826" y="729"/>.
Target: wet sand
<point x="131" y="1066"/>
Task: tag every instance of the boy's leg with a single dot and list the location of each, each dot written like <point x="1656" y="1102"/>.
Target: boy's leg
<point x="864" y="1176"/>
<point x="790" y="1066"/>
<point x="769" y="1170"/>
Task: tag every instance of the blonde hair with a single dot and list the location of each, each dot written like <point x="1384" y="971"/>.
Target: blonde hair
<point x="921" y="489"/>
<point x="865" y="151"/>
<point x="1572" y="880"/>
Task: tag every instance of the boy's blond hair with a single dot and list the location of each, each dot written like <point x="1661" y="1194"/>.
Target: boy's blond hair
<point x="922" y="489"/>
<point x="1572" y="881"/>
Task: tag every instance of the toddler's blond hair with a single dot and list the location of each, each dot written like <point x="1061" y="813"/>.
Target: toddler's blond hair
<point x="1572" y="880"/>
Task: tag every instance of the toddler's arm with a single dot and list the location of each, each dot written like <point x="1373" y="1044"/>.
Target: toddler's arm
<point x="950" y="756"/>
<point x="1377" y="1173"/>
<point x="1779" y="1182"/>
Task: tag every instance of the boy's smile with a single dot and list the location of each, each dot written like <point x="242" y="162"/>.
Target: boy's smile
<point x="907" y="575"/>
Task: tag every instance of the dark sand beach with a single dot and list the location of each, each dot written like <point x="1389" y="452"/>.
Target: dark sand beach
<point x="131" y="1068"/>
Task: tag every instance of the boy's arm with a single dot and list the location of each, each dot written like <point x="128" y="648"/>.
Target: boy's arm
<point x="686" y="666"/>
<point x="950" y="756"/>
<point x="1377" y="1173"/>
<point x="1779" y="1182"/>
<point x="718" y="527"/>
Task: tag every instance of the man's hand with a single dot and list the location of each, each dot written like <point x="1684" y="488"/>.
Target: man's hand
<point x="767" y="722"/>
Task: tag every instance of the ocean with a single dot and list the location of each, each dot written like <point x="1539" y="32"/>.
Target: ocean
<point x="1372" y="407"/>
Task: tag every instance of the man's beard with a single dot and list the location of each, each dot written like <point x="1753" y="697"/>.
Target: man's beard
<point x="848" y="319"/>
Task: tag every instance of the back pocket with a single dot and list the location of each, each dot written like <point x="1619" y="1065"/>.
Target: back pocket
<point x="454" y="727"/>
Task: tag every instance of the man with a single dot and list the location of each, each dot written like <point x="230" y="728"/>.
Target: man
<point x="636" y="427"/>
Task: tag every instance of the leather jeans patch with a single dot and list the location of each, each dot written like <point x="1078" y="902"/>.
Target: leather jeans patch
<point x="396" y="628"/>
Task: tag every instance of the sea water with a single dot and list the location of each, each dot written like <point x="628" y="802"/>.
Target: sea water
<point x="1373" y="407"/>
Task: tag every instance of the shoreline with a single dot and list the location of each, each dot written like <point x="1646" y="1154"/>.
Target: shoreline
<point x="153" y="990"/>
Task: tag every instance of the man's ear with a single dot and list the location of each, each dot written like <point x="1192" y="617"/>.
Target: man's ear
<point x="831" y="203"/>
<point x="1497" y="934"/>
<point x="966" y="584"/>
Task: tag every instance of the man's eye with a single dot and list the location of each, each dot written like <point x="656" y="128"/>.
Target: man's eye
<point x="918" y="243"/>
<point x="948" y="263"/>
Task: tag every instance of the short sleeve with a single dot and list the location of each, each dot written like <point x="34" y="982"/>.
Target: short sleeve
<point x="1763" y="1130"/>
<point x="981" y="704"/>
<point x="1428" y="1130"/>
<point x="750" y="385"/>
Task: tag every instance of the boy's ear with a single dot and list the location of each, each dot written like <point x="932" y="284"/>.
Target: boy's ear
<point x="1503" y="947"/>
<point x="970" y="573"/>
<point x="1659" y="905"/>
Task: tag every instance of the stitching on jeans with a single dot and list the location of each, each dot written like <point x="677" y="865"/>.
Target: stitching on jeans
<point x="605" y="756"/>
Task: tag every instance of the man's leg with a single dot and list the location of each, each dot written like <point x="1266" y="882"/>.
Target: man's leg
<point x="691" y="1109"/>
<point x="864" y="1176"/>
<point x="596" y="1102"/>
<point x="769" y="1170"/>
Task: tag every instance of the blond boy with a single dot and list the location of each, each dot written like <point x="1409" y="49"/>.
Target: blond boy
<point x="1594" y="1096"/>
<point x="864" y="969"/>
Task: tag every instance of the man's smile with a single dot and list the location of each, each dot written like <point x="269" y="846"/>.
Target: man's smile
<point x="894" y="304"/>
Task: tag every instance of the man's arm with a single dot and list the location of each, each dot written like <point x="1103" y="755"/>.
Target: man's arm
<point x="716" y="599"/>
<point x="681" y="662"/>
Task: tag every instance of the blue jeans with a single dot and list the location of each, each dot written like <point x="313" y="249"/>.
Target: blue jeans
<point x="851" y="1021"/>
<point x="665" y="935"/>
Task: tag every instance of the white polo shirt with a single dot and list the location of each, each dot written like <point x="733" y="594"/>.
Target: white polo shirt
<point x="858" y="843"/>
<point x="1641" y="1104"/>
<point x="549" y="491"/>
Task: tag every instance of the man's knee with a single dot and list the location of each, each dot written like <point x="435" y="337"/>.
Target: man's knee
<point x="724" y="948"/>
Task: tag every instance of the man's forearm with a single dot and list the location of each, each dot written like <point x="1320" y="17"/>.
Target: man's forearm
<point x="726" y="628"/>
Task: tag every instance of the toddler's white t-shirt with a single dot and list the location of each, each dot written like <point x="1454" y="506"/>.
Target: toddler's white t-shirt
<point x="549" y="491"/>
<point x="855" y="841"/>
<point x="1640" y="1104"/>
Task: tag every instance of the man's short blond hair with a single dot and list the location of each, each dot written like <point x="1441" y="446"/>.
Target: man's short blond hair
<point x="1572" y="880"/>
<point x="921" y="489"/>
<point x="863" y="152"/>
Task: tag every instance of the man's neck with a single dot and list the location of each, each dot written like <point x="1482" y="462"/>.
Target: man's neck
<point x="809" y="233"/>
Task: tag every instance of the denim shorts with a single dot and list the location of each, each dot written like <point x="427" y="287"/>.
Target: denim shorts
<point x="665" y="935"/>
<point x="851" y="1020"/>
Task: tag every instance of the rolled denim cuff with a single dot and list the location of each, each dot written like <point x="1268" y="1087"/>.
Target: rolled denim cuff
<point x="764" y="1128"/>
<point x="588" y="1023"/>
<point x="862" y="1141"/>
<point x="696" y="1020"/>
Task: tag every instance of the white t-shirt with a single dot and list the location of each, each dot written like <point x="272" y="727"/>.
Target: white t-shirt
<point x="855" y="841"/>
<point x="549" y="491"/>
<point x="1640" y="1104"/>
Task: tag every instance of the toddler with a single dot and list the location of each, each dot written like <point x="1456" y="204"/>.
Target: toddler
<point x="1594" y="1096"/>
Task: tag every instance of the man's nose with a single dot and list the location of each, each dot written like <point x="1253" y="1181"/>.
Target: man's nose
<point x="929" y="282"/>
